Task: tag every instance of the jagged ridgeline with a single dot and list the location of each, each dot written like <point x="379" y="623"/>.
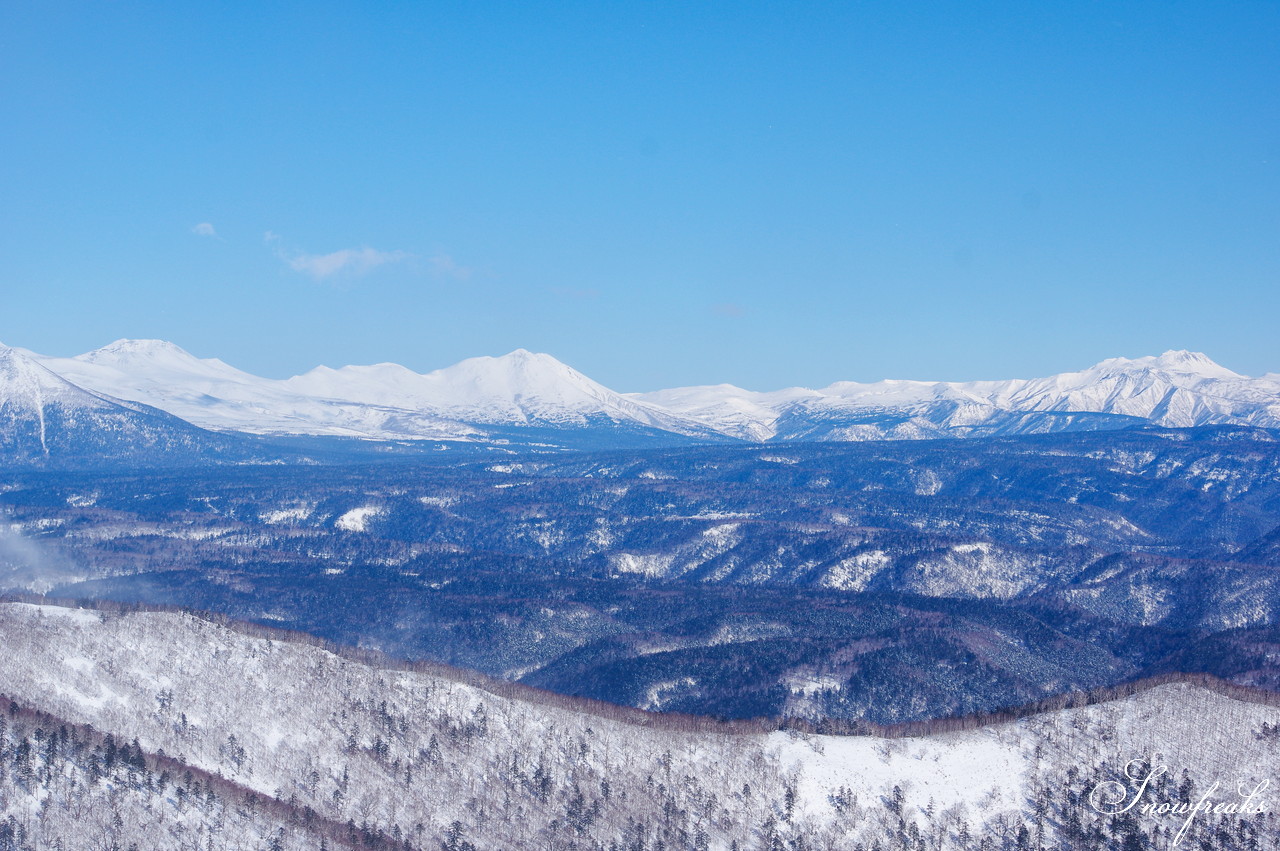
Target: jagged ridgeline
<point x="161" y="730"/>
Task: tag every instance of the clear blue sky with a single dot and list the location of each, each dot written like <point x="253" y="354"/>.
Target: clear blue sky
<point x="659" y="194"/>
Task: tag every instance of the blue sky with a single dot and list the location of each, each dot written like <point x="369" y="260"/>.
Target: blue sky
<point x="659" y="194"/>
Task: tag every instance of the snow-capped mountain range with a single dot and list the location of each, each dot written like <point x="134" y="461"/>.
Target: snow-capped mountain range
<point x="384" y="401"/>
<point x="1178" y="389"/>
<point x="467" y="401"/>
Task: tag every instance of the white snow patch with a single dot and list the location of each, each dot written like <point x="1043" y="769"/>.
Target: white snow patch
<point x="855" y="572"/>
<point x="810" y="684"/>
<point x="660" y="693"/>
<point x="357" y="519"/>
<point x="83" y="616"/>
<point x="649" y="565"/>
<point x="286" y="515"/>
<point x="976" y="770"/>
<point x="779" y="459"/>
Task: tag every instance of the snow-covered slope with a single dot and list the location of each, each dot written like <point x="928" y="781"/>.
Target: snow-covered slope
<point x="520" y="388"/>
<point x="211" y="394"/>
<point x="27" y="385"/>
<point x="730" y="410"/>
<point x="1176" y="389"/>
<point x="413" y="751"/>
<point x="383" y="401"/>
<point x="525" y="389"/>
<point x="44" y="418"/>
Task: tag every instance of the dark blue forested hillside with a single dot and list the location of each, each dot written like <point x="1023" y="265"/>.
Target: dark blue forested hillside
<point x="879" y="580"/>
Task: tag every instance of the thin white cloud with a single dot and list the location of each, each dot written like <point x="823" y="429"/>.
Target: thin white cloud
<point x="350" y="261"/>
<point x="355" y="262"/>
<point x="204" y="229"/>
<point x="347" y="262"/>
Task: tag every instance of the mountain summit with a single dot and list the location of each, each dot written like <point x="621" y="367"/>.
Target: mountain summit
<point x="1178" y="361"/>
<point x="521" y="388"/>
<point x="136" y="351"/>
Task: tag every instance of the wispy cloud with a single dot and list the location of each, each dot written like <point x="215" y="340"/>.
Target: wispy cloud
<point x="204" y="229"/>
<point x="353" y="261"/>
<point x="348" y="262"/>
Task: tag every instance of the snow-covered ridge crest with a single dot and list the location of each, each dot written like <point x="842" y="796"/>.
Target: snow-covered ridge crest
<point x="383" y="401"/>
<point x="521" y="388"/>
<point x="212" y="394"/>
<point x="27" y="384"/>
<point x="1174" y="389"/>
<point x="45" y="418"/>
<point x="528" y="389"/>
<point x="406" y="747"/>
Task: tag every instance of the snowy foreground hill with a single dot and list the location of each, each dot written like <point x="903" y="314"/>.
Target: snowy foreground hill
<point x="161" y="730"/>
<point x="532" y="398"/>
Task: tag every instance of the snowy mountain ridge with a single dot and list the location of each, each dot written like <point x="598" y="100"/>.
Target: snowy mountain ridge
<point x="524" y="389"/>
<point x="27" y="384"/>
<point x="44" y="417"/>
<point x="1176" y="389"/>
<point x="520" y="388"/>
<point x="383" y="401"/>
<point x="211" y="394"/>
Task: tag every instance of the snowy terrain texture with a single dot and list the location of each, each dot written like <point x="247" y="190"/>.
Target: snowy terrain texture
<point x="295" y="744"/>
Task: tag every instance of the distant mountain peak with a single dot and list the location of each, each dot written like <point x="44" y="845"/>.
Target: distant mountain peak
<point x="126" y="352"/>
<point x="129" y="346"/>
<point x="538" y="370"/>
<point x="517" y="358"/>
<point x="24" y="379"/>
<point x="1179" y="361"/>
